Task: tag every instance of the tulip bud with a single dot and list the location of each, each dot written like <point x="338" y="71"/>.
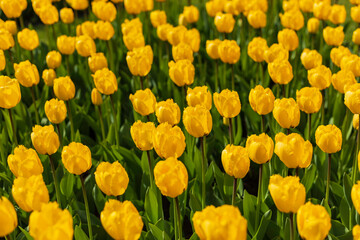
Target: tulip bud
<point x="26" y="73"/>
<point x="168" y="111"/>
<point x="142" y="135"/>
<point x="197" y="121"/>
<point x="51" y="222"/>
<point x="289" y="39"/>
<point x="28" y="39"/>
<point x="162" y="31"/>
<point x="97" y="61"/>
<point x="356" y="232"/>
<point x="214" y="7"/>
<point x="182" y="51"/>
<point x="293" y="150"/>
<point x="66" y="45"/>
<point x="49" y="75"/>
<point x="158" y="18"/>
<point x="337" y="54"/>
<point x="112" y="179"/>
<point x="30" y="193"/>
<point x="355" y="14"/>
<point x="260" y="148"/>
<point x="49" y="15"/>
<point x="96" y="98"/>
<point x="313" y="25"/>
<point x="192" y="38"/>
<point x="133" y="7"/>
<point x="224" y="22"/>
<point x="12" y="8"/>
<point x="286" y="112"/>
<point x="143" y="101"/>
<point x="288" y="193"/>
<point x="199" y="96"/>
<point x="233" y="225"/>
<point x="310" y="217"/>
<point x="235" y="161"/>
<point x="10" y="94"/>
<point x="293" y="19"/>
<point x="67" y="15"/>
<point x="6" y="40"/>
<point x="342" y="79"/>
<point x="85" y="45"/>
<point x="53" y="59"/>
<point x="140" y="60"/>
<point x="328" y="138"/>
<point x="182" y="72"/>
<point x="281" y="72"/>
<point x="121" y="220"/>
<point x="168" y="141"/>
<point x="337" y="14"/>
<point x="55" y="110"/>
<point x="105" y="81"/>
<point x="334" y="36"/>
<point x="24" y="162"/>
<point x="171" y="177"/>
<point x="229" y="51"/>
<point x="8" y="217"/>
<point x="227" y="103"/>
<point x="261" y="100"/>
<point x="276" y="52"/>
<point x="309" y="99"/>
<point x="191" y="14"/>
<point x="322" y="10"/>
<point x="256" y="49"/>
<point x="356" y="122"/>
<point x="257" y="19"/>
<point x="106" y="11"/>
<point x="64" y="88"/>
<point x="352" y="93"/>
<point x="104" y="30"/>
<point x="310" y="58"/>
<point x="175" y="35"/>
<point x="44" y="139"/>
<point x="320" y="77"/>
<point x="212" y="48"/>
<point x="76" y="158"/>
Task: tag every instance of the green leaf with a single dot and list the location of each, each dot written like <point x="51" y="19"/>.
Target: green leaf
<point x="344" y="212"/>
<point x="151" y="205"/>
<point x="99" y="198"/>
<point x="347" y="189"/>
<point x="265" y="220"/>
<point x="249" y="206"/>
<point x="194" y="203"/>
<point x="27" y="235"/>
<point x="309" y="177"/>
<point x="158" y="233"/>
<point x="67" y="184"/>
<point x="80" y="234"/>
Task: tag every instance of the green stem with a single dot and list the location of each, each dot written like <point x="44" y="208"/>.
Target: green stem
<point x="115" y="120"/>
<point x="8" y="237"/>
<point x="49" y="37"/>
<point x="86" y="207"/>
<point x="109" y="47"/>
<point x="178" y="217"/>
<point x="259" y="199"/>
<point x="309" y="127"/>
<point x="216" y="75"/>
<point x="323" y="108"/>
<point x="13" y="127"/>
<point x="60" y="135"/>
<point x="71" y="121"/>
<point x="56" y="183"/>
<point x="22" y="22"/>
<point x="232" y="77"/>
<point x="261" y="72"/>
<point x="234" y="192"/>
<point x="283" y="90"/>
<point x="262" y="123"/>
<point x="292" y="226"/>
<point x="355" y="165"/>
<point x="203" y="172"/>
<point x="231" y="136"/>
<point x="328" y="180"/>
<point x="150" y="168"/>
<point x="32" y="56"/>
<point x="101" y="122"/>
<point x="141" y="83"/>
<point x="54" y="32"/>
<point x="67" y="64"/>
<point x="35" y="108"/>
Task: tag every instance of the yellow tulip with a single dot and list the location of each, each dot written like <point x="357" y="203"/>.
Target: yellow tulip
<point x="26" y="73"/>
<point x="309" y="99"/>
<point x="197" y="121"/>
<point x="105" y="81"/>
<point x="320" y="77"/>
<point x="227" y="103"/>
<point x="45" y="140"/>
<point x="199" y="96"/>
<point x="235" y="160"/>
<point x="76" y="158"/>
<point x="10" y="94"/>
<point x="261" y="100"/>
<point x="328" y="138"/>
<point x="8" y="217"/>
<point x="143" y="101"/>
<point x="286" y="112"/>
<point x="24" y="162"/>
<point x="142" y="135"/>
<point x="112" y="179"/>
<point x="64" y="88"/>
<point x="28" y="39"/>
<point x="167" y="111"/>
<point x="260" y="148"/>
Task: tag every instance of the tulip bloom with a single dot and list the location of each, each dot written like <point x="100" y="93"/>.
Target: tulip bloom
<point x="10" y="94"/>
<point x="288" y="193"/>
<point x="55" y="110"/>
<point x="224" y="22"/>
<point x="182" y="72"/>
<point x="8" y="217"/>
<point x="197" y="121"/>
<point x="288" y="38"/>
<point x="24" y="162"/>
<point x="97" y="61"/>
<point x="169" y="141"/>
<point x="53" y="59"/>
<point x="76" y="158"/>
<point x="171" y="177"/>
<point x="334" y="36"/>
<point x="257" y="48"/>
<point x="121" y="220"/>
<point x="49" y="75"/>
<point x="112" y="179"/>
<point x="167" y="111"/>
<point x="235" y="161"/>
<point x="320" y="77"/>
<point x="292" y="19"/>
<point x="212" y="48"/>
<point x="199" y="96"/>
<point x="182" y="51"/>
<point x="338" y="53"/>
<point x="261" y="100"/>
<point x="310" y="58"/>
<point x="85" y="45"/>
<point x="64" y="88"/>
<point x="65" y="44"/>
<point x="281" y="72"/>
<point x="96" y="98"/>
<point x="105" y="11"/>
<point x="67" y="15"/>
<point x="260" y="148"/>
<point x="309" y="99"/>
<point x="351" y="63"/>
<point x="28" y="39"/>
<point x="257" y="19"/>
<point x="342" y="80"/>
<point x="142" y="135"/>
<point x="233" y="226"/>
<point x="26" y="73"/>
<point x="143" y="101"/>
<point x="227" y="103"/>
<point x="313" y="25"/>
<point x="276" y="52"/>
<point x="286" y="112"/>
<point x="105" y="81"/>
<point x="140" y="60"/>
<point x="352" y="94"/>
<point x="158" y="18"/>
<point x="229" y="51"/>
<point x="45" y="140"/>
<point x="328" y="138"/>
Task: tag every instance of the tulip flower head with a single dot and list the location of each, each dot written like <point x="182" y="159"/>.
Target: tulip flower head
<point x="235" y="160"/>
<point x="260" y="148"/>
<point x="112" y="179"/>
<point x="10" y="94"/>
<point x="8" y="217"/>
<point x="167" y="111"/>
<point x="45" y="140"/>
<point x="143" y="101"/>
<point x="328" y="138"/>
<point x="142" y="135"/>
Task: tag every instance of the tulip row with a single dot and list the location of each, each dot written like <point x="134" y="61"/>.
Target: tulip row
<point x="199" y="180"/>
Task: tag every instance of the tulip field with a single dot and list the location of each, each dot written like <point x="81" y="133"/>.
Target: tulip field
<point x="179" y="119"/>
